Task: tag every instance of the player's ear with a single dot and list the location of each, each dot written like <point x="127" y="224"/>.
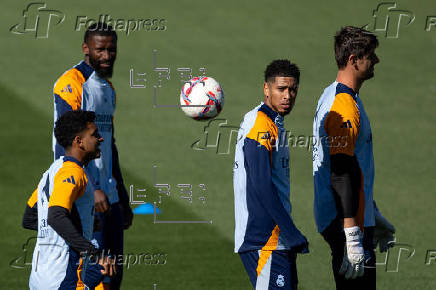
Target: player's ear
<point x="77" y="140"/>
<point x="85" y="48"/>
<point x="352" y="59"/>
<point x="266" y="89"/>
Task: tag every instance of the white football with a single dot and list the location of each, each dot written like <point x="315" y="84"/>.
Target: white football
<point x="202" y="98"/>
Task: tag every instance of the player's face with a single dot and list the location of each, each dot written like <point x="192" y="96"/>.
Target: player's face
<point x="280" y="95"/>
<point x="102" y="52"/>
<point x="90" y="142"/>
<point x="365" y="65"/>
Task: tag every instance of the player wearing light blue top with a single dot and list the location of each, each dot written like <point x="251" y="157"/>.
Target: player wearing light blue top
<point x="343" y="166"/>
<point x="110" y="196"/>
<point x="340" y="108"/>
<point x="99" y="97"/>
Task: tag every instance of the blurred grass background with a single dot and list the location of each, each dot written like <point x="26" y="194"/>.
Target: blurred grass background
<point x="234" y="41"/>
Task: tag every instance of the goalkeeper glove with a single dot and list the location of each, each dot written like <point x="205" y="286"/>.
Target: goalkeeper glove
<point x="383" y="232"/>
<point x="352" y="263"/>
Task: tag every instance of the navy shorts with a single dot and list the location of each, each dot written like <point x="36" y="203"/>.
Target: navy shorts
<point x="271" y="269"/>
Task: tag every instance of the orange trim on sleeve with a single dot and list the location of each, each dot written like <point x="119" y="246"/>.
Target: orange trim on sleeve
<point x="33" y="199"/>
<point x="264" y="131"/>
<point x="69" y="87"/>
<point x="69" y="184"/>
<point x="342" y="125"/>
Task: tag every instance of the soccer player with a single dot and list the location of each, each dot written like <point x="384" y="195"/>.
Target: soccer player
<point x="265" y="235"/>
<point x="86" y="86"/>
<point x="343" y="166"/>
<point x="60" y="242"/>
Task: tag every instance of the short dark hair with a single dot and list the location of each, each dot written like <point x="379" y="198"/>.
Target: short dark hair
<point x="99" y="28"/>
<point x="353" y="40"/>
<point x="282" y="68"/>
<point x="70" y="124"/>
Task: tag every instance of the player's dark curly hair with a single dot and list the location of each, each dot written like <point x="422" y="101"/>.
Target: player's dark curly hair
<point x="353" y="40"/>
<point x="281" y="68"/>
<point x="70" y="124"/>
<point x="100" y="28"/>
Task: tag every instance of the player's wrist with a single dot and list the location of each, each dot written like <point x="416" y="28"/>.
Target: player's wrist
<point x="353" y="234"/>
<point x="350" y="222"/>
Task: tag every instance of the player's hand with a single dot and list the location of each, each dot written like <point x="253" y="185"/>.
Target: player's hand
<point x="92" y="271"/>
<point x="383" y="233"/>
<point x="100" y="201"/>
<point x="109" y="266"/>
<point x="352" y="263"/>
<point x="127" y="215"/>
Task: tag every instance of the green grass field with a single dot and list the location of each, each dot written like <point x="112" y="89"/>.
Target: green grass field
<point x="234" y="41"/>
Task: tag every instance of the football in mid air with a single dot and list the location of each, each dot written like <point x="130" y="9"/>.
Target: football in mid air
<point x="202" y="98"/>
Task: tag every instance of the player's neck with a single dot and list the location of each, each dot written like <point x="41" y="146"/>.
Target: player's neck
<point x="76" y="155"/>
<point x="347" y="78"/>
